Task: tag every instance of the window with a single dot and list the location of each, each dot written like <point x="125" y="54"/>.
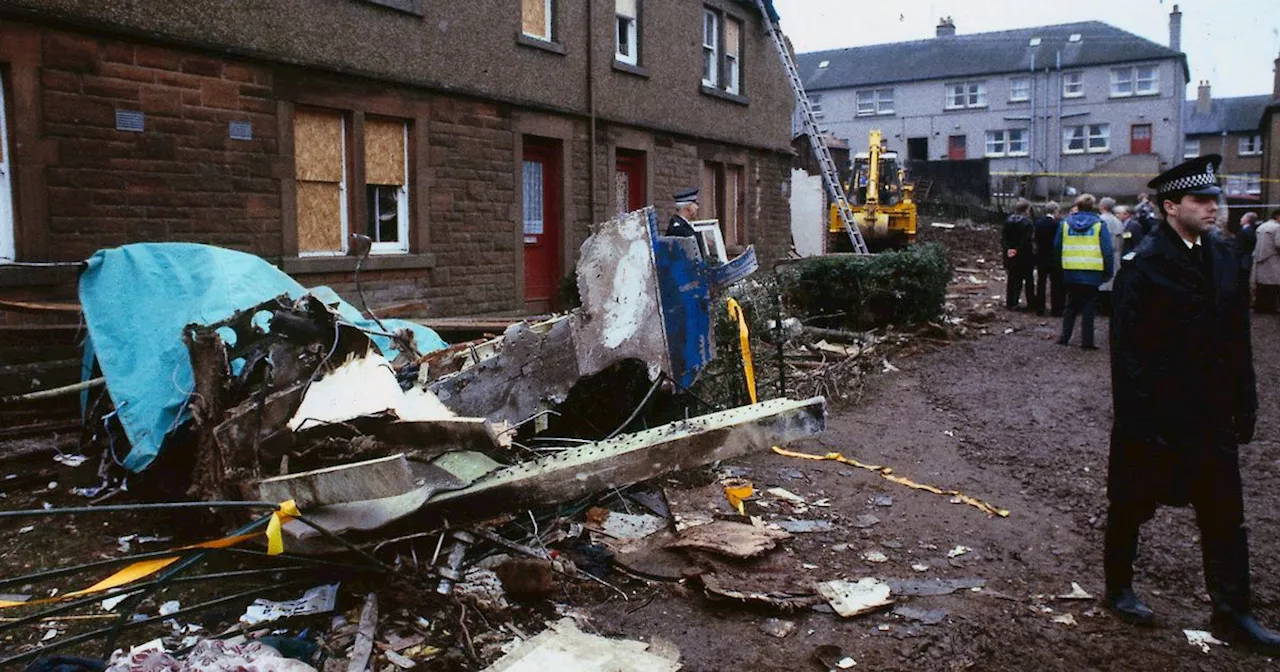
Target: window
<point x="815" y="104"/>
<point x="1145" y="80"/>
<point x="721" y="52"/>
<point x="628" y="18"/>
<point x="732" y="51"/>
<point x="876" y="101"/>
<point x="386" y="172"/>
<point x="1009" y="142"/>
<point x="1019" y="89"/>
<point x="710" y="48"/>
<point x="722" y="198"/>
<point x="966" y="94"/>
<point x="535" y="18"/>
<point x="321" y="155"/>
<point x="1241" y="184"/>
<point x="1091" y="138"/>
<point x="320" y="158"/>
<point x="1136" y="81"/>
<point x="1250" y="145"/>
<point x="7" y="251"/>
<point x="1073" y="85"/>
<point x="1191" y="148"/>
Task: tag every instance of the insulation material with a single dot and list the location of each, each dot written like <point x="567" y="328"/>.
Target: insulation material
<point x="364" y="386"/>
<point x="319" y="217"/>
<point x="318" y="146"/>
<point x="384" y="151"/>
<point x="533" y="17"/>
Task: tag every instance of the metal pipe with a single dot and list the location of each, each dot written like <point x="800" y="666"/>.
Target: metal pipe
<point x="53" y="392"/>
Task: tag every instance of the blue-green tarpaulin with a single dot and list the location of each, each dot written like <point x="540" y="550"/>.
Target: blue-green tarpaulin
<point x="138" y="299"/>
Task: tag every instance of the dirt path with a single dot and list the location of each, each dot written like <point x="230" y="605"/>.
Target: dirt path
<point x="1023" y="423"/>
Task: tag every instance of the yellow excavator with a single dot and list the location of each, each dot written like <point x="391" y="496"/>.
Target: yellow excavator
<point x="883" y="207"/>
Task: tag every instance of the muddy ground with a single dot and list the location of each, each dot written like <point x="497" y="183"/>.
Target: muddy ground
<point x="1003" y="415"/>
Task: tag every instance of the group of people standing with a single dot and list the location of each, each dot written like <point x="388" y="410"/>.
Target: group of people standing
<point x="1070" y="258"/>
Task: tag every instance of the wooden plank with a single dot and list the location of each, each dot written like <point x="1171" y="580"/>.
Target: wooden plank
<point x="319" y="217"/>
<point x="384" y="148"/>
<point x="317" y="145"/>
<point x="533" y="18"/>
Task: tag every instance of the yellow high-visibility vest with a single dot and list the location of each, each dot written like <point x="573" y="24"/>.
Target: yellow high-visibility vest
<point x="1082" y="252"/>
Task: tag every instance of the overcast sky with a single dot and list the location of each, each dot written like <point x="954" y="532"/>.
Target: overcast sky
<point x="1232" y="43"/>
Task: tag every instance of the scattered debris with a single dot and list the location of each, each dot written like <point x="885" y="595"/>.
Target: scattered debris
<point x="804" y="526"/>
<point x="925" y="616"/>
<point x="1065" y="619"/>
<point x="931" y="587"/>
<point x="1077" y="593"/>
<point x="920" y="567"/>
<point x="736" y="540"/>
<point x="564" y="647"/>
<point x="318" y="600"/>
<point x="875" y="556"/>
<point x="785" y="495"/>
<point x="1202" y="639"/>
<point x="776" y="627"/>
<point x="865" y="520"/>
<point x="882" y="500"/>
<point x="854" y="598"/>
<point x="958" y="551"/>
<point x="832" y="657"/>
<point x="628" y="525"/>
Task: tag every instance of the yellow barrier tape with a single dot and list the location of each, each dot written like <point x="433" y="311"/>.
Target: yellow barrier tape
<point x="887" y="474"/>
<point x="1015" y="173"/>
<point x="744" y="339"/>
<point x="275" y="546"/>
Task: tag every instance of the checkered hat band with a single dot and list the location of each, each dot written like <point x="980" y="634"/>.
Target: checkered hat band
<point x="1189" y="182"/>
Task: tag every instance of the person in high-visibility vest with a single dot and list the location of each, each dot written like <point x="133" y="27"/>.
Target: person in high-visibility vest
<point x="1086" y="251"/>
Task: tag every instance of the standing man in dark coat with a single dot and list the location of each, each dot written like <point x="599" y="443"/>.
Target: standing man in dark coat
<point x="1019" y="257"/>
<point x="1049" y="262"/>
<point x="1183" y="388"/>
<point x="686" y="210"/>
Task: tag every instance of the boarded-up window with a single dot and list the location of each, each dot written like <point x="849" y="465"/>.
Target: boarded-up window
<point x="535" y="18"/>
<point x="386" y="175"/>
<point x="732" y="50"/>
<point x="723" y="199"/>
<point x="319" y="139"/>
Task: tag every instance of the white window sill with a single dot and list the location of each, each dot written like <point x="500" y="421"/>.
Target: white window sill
<point x="540" y="43"/>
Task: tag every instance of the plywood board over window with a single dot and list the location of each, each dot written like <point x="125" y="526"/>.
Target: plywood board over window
<point x="535" y="18"/>
<point x="384" y="151"/>
<point x="320" y="167"/>
<point x="386" y="184"/>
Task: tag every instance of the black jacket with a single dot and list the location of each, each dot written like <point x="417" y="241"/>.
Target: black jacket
<point x="1182" y="375"/>
<point x="1016" y="235"/>
<point x="1046" y="228"/>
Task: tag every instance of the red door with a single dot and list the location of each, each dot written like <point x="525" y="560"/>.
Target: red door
<point x="1140" y="139"/>
<point x="628" y="181"/>
<point x="955" y="148"/>
<point x="541" y="179"/>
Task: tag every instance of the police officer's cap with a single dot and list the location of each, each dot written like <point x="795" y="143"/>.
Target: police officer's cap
<point x="1198" y="176"/>
<point x="686" y="196"/>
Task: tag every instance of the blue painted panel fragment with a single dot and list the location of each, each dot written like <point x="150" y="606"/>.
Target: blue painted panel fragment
<point x="685" y="291"/>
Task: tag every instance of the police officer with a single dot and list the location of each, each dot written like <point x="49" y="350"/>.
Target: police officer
<point x="686" y="210"/>
<point x="1184" y="394"/>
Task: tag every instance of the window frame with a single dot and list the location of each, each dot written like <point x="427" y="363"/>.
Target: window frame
<point x="632" y="31"/>
<point x="732" y="62"/>
<point x="1122" y="77"/>
<point x="1026" y="82"/>
<point x="1249" y="145"/>
<point x="877" y="100"/>
<point x="344" y="195"/>
<point x="1086" y="134"/>
<point x="995" y="144"/>
<point x="401" y="246"/>
<point x="1076" y="81"/>
<point x="711" y="68"/>
<point x="973" y="93"/>
<point x="1187" y="144"/>
<point x="815" y="104"/>
<point x="1138" y="79"/>
<point x="8" y="216"/>
<point x="1024" y="141"/>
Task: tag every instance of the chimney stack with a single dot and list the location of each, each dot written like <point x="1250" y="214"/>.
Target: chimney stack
<point x="1175" y="29"/>
<point x="1203" y="103"/>
<point x="946" y="27"/>
<point x="1275" y="88"/>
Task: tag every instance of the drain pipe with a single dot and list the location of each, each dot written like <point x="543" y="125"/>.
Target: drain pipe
<point x="591" y="111"/>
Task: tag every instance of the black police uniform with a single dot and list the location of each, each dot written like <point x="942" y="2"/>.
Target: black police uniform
<point x="1184" y="393"/>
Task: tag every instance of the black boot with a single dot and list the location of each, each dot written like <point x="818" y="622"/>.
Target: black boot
<point x="1226" y="568"/>
<point x="1119" y="552"/>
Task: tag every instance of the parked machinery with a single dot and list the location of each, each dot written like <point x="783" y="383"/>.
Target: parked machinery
<point x="882" y="203"/>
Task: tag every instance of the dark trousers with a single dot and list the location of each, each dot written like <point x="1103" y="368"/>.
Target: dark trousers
<point x="1081" y="300"/>
<point x="1020" y="277"/>
<point x="1047" y="274"/>
<point x="1215" y="493"/>
<point x="1267" y="299"/>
